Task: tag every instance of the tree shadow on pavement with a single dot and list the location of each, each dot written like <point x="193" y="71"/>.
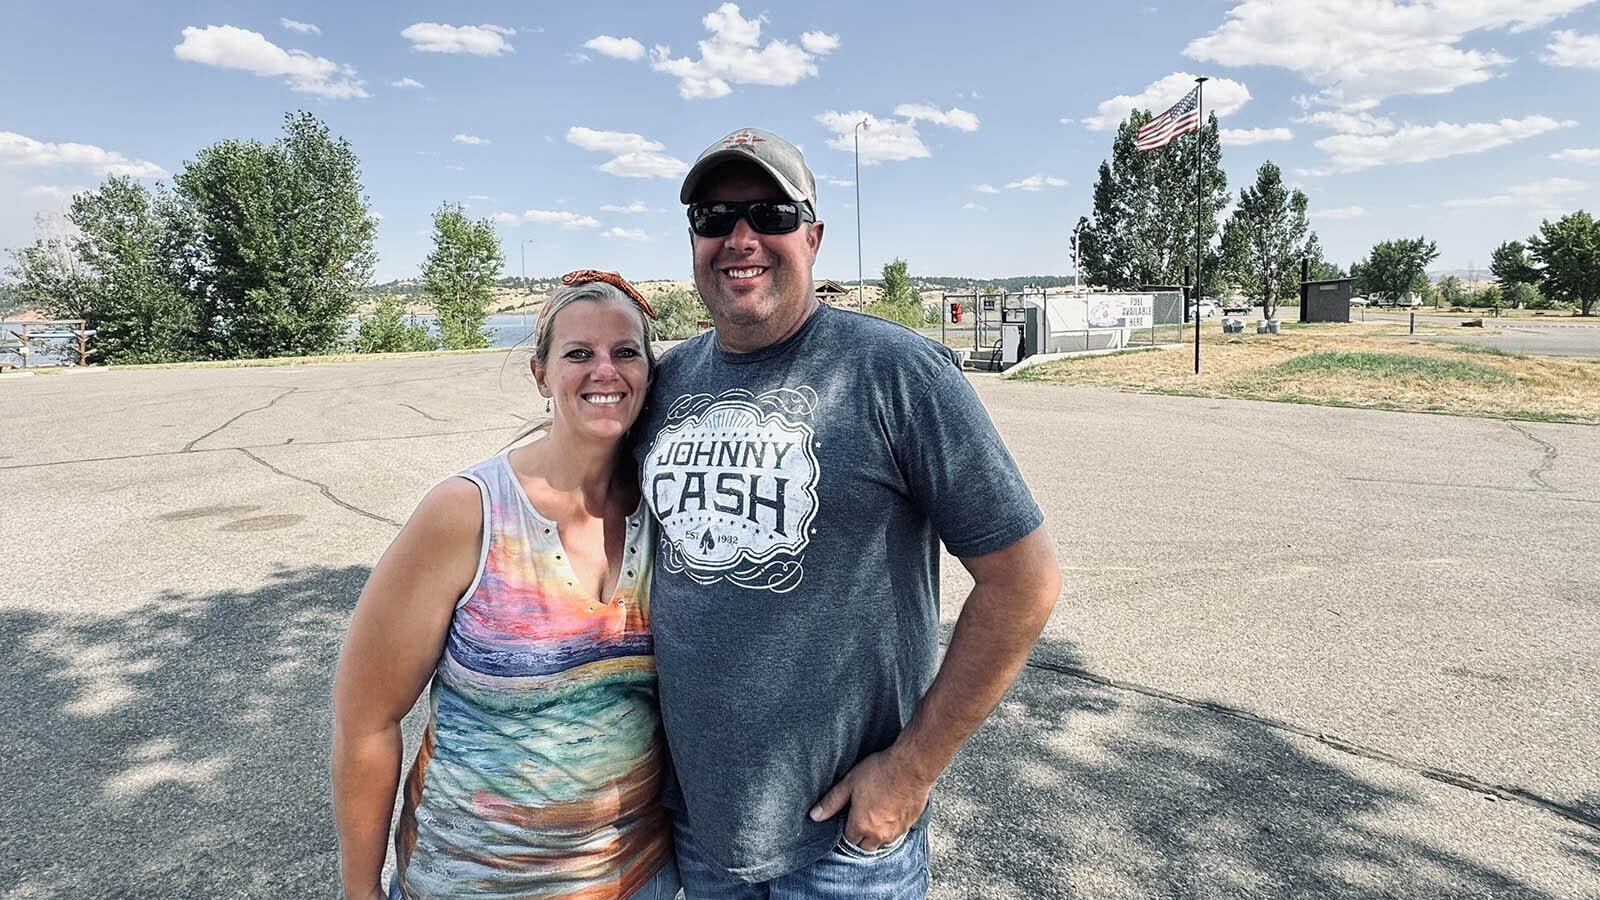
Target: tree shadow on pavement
<point x="1078" y="790"/>
<point x="178" y="750"/>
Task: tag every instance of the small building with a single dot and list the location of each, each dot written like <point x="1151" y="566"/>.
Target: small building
<point x="1325" y="301"/>
<point x="830" y="292"/>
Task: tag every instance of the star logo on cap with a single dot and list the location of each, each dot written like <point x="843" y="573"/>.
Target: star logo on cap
<point x="744" y="140"/>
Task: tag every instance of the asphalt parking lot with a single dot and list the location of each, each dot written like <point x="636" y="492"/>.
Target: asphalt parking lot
<point x="1339" y="679"/>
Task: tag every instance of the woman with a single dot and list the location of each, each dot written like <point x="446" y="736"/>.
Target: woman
<point x="521" y="587"/>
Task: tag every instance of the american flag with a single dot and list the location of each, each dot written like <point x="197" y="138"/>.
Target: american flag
<point x="1182" y="118"/>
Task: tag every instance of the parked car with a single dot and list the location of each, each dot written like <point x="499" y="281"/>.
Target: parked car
<point x="1236" y="305"/>
<point x="1359" y="301"/>
<point x="1206" y="309"/>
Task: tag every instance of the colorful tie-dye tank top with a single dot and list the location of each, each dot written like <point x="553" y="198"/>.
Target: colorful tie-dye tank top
<point x="539" y="772"/>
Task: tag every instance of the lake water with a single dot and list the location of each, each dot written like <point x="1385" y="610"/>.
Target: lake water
<point x="504" y="331"/>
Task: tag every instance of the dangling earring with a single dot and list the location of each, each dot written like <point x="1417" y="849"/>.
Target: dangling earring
<point x="549" y="406"/>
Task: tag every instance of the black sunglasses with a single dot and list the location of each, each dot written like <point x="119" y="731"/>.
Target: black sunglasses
<point x="718" y="218"/>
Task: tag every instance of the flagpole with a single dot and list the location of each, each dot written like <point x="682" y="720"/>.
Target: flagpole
<point x="1199" y="206"/>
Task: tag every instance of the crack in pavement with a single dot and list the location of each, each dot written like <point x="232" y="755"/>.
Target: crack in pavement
<point x="190" y="446"/>
<point x="1414" y="482"/>
<point x="1551" y="454"/>
<point x="1566" y="811"/>
<point x="326" y="492"/>
<point x="423" y="414"/>
<point x="160" y="453"/>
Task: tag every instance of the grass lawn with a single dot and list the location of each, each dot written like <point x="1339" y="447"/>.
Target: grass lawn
<point x="1371" y="365"/>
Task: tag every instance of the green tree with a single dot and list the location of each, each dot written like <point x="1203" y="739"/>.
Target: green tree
<point x="1567" y="253"/>
<point x="1510" y="264"/>
<point x="1450" y="291"/>
<point x="1527" y="296"/>
<point x="460" y="274"/>
<point x="897" y="289"/>
<point x="283" y="240"/>
<point x="1322" y="270"/>
<point x="390" y="330"/>
<point x="136" y="299"/>
<point x="51" y="276"/>
<point x="1265" y="239"/>
<point x="1143" y="227"/>
<point x="1395" y="268"/>
<point x="898" y="300"/>
<point x="678" y="315"/>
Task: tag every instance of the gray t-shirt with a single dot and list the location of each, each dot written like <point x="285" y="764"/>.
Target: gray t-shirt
<point x="802" y="491"/>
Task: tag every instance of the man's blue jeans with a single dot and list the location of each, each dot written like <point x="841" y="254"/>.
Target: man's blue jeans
<point x="843" y="873"/>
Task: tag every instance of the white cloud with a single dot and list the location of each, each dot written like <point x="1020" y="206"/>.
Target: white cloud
<point x="1551" y="193"/>
<point x="54" y="192"/>
<point x="1243" y="137"/>
<point x="619" y="48"/>
<point x="479" y="197"/>
<point x="882" y="140"/>
<point x="302" y="27"/>
<point x="455" y="168"/>
<point x="406" y="83"/>
<point x="974" y="206"/>
<point x="561" y="218"/>
<point x="235" y="48"/>
<point x="986" y="189"/>
<point x="625" y="234"/>
<point x="1361" y="52"/>
<point x="1349" y="122"/>
<point x="734" y="54"/>
<point x="631" y="209"/>
<point x="20" y="150"/>
<point x="1587" y="155"/>
<point x="1222" y="96"/>
<point x="1419" y="143"/>
<point x="479" y="40"/>
<point x="836" y="182"/>
<point x="469" y="139"/>
<point x="819" y="42"/>
<point x="1569" y="48"/>
<point x="1340" y="212"/>
<point x="954" y="117"/>
<point x="1037" y="183"/>
<point x="632" y="155"/>
<point x="1064" y="120"/>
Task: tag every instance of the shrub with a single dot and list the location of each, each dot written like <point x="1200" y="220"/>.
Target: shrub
<point x="390" y="330"/>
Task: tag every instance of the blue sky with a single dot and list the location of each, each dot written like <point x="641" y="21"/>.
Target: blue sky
<point x="571" y="124"/>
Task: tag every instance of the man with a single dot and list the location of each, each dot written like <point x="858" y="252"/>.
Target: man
<point x="803" y="463"/>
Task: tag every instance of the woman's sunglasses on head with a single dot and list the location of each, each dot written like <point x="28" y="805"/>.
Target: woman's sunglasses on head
<point x="718" y="218"/>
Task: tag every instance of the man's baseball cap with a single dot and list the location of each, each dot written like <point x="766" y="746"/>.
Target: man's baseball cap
<point x="776" y="156"/>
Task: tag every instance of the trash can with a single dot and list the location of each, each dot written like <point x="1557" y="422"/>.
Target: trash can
<point x="955" y="313"/>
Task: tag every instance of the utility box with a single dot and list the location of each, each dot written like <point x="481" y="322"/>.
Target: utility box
<point x="955" y="313"/>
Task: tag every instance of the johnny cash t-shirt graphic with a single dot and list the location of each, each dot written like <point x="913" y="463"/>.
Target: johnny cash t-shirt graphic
<point x="733" y="481"/>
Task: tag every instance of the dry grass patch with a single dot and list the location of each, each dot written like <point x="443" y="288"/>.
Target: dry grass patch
<point x="1358" y="365"/>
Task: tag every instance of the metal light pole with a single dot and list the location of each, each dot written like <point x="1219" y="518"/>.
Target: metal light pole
<point x="1075" y="263"/>
<point x="861" y="289"/>
<point x="525" y="243"/>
